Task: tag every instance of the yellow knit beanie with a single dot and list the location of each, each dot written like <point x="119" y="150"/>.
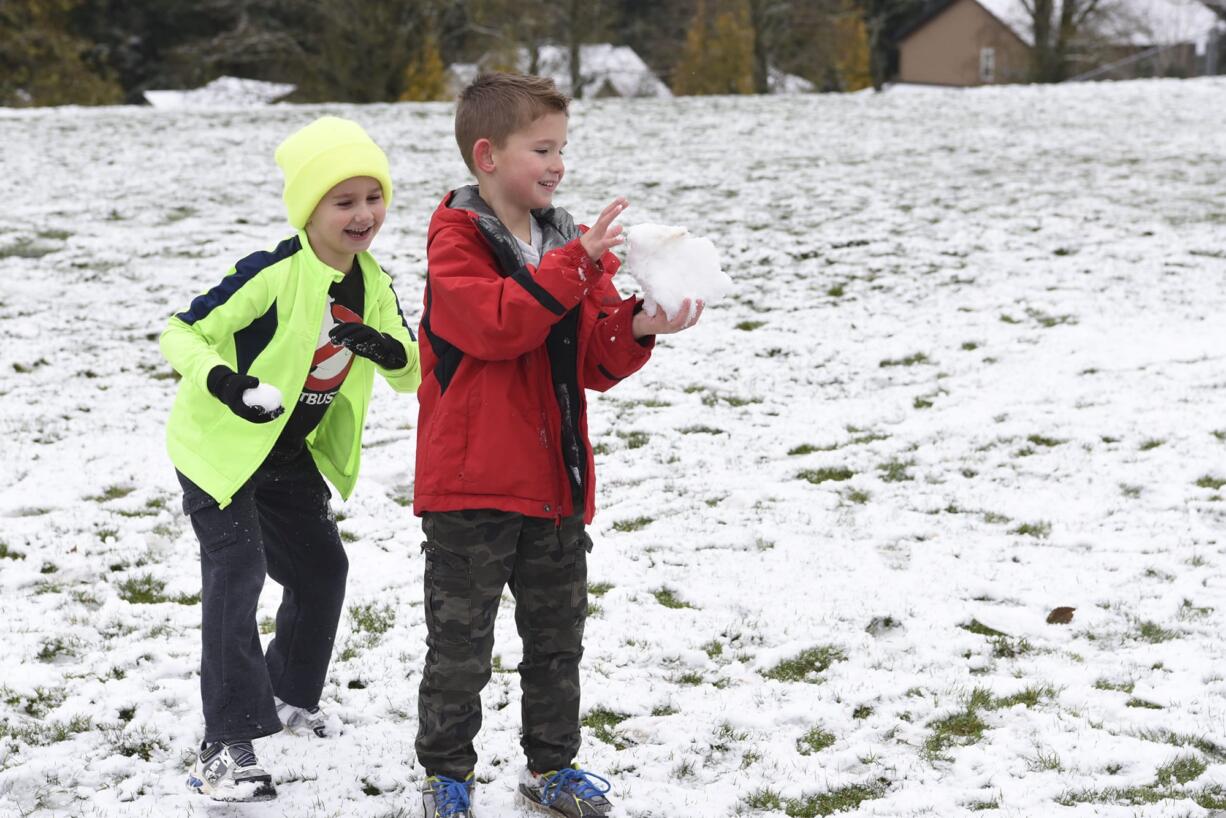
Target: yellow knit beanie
<point x="322" y="155"/>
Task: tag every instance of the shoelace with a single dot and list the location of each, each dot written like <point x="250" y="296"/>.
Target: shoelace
<point x="243" y="753"/>
<point x="450" y="796"/>
<point x="581" y="784"/>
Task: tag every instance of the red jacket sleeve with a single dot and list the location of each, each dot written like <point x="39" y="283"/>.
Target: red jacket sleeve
<point x="493" y="317"/>
<point x="613" y="353"/>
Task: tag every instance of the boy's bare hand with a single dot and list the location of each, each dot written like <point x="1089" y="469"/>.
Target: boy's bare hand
<point x="604" y="235"/>
<point x="661" y="324"/>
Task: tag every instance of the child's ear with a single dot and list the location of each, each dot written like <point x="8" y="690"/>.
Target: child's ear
<point x="483" y="155"/>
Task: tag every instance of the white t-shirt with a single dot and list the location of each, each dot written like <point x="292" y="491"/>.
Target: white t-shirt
<point x="532" y="252"/>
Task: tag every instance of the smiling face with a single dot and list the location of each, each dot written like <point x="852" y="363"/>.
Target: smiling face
<point x="346" y="220"/>
<point x="523" y="173"/>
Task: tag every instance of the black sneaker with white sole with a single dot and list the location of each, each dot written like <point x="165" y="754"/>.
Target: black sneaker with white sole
<point x="230" y="772"/>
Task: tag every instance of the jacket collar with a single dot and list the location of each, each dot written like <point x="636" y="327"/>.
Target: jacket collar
<point x="557" y="227"/>
<point x="332" y="274"/>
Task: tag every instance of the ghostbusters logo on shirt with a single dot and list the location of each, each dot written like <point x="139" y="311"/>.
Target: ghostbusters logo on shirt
<point x="332" y="361"/>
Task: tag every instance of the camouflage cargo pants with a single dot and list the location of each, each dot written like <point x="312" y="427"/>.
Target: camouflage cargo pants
<point x="470" y="557"/>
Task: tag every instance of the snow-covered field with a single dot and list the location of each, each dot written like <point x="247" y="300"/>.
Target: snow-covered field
<point x="974" y="369"/>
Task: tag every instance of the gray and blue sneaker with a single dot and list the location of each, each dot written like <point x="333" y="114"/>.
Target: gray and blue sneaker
<point x="568" y="792"/>
<point x="303" y="720"/>
<point x="230" y="772"/>
<point x="443" y="797"/>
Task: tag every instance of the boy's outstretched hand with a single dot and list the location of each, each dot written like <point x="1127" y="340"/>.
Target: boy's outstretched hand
<point x="604" y="235"/>
<point x="661" y="324"/>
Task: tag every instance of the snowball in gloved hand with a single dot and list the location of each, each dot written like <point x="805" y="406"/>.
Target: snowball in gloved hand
<point x="265" y="396"/>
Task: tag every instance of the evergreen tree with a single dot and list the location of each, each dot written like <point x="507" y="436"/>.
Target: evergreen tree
<point x="718" y="53"/>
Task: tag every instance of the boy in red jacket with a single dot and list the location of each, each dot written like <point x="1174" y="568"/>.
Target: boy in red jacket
<point x="521" y="316"/>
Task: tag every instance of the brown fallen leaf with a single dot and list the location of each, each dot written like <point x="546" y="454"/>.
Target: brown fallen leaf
<point x="1060" y="616"/>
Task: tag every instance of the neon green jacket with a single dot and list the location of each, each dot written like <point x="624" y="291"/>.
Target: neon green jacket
<point x="264" y="320"/>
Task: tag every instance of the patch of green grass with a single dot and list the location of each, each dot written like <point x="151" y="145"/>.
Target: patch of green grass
<point x="1040" y="530"/>
<point x="1048" y="320"/>
<point x="599" y="588"/>
<point x="1190" y="611"/>
<point x="806" y="664"/>
<point x="1149" y="631"/>
<point x="1208" y="481"/>
<point x="895" y="471"/>
<point x="53" y="648"/>
<point x="858" y="496"/>
<point x="1130" y="491"/>
<point x="632" y="525"/>
<point x="1198" y="743"/>
<point x="996" y="519"/>
<point x="7" y="554"/>
<point x="690" y="678"/>
<point x="811" y="806"/>
<point x="713" y="649"/>
<point x="667" y="597"/>
<point x="634" y="440"/>
<point x="823" y="475"/>
<point x="809" y="448"/>
<point x="603" y="723"/>
<point x="1152" y="443"/>
<point x="145" y="589"/>
<point x="111" y="493"/>
<point x="372" y="618"/>
<point x="1005" y="647"/>
<point x="142" y="743"/>
<point x="1143" y="704"/>
<point x="750" y="326"/>
<point x="975" y="626"/>
<point x="1030" y="697"/>
<point x="814" y="741"/>
<point x="910" y="360"/>
<point x="1119" y="687"/>
<point x="836" y="290"/>
<point x="1045" y="442"/>
<point x="700" y="430"/>
<point x="26" y="250"/>
<point x="862" y="712"/>
<point x="959" y="729"/>
<point x="1181" y="770"/>
<point x="969" y="346"/>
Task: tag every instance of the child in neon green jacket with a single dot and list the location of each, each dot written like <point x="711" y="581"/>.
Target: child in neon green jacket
<point x="278" y="362"/>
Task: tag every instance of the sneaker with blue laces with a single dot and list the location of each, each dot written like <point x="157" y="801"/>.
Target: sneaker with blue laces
<point x="568" y="792"/>
<point x="443" y="797"/>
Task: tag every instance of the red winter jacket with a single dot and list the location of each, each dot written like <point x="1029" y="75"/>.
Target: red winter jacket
<point x="507" y="351"/>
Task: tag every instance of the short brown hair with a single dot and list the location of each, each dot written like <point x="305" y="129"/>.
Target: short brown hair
<point x="496" y="105"/>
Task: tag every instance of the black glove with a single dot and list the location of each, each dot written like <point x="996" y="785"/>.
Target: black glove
<point x="368" y="342"/>
<point x="228" y="387"/>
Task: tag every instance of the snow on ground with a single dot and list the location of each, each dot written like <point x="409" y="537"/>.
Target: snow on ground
<point x="973" y="369"/>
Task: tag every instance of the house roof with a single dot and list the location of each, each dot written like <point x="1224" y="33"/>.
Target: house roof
<point x="1134" y="22"/>
<point x="605" y="67"/>
<point x="223" y="92"/>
